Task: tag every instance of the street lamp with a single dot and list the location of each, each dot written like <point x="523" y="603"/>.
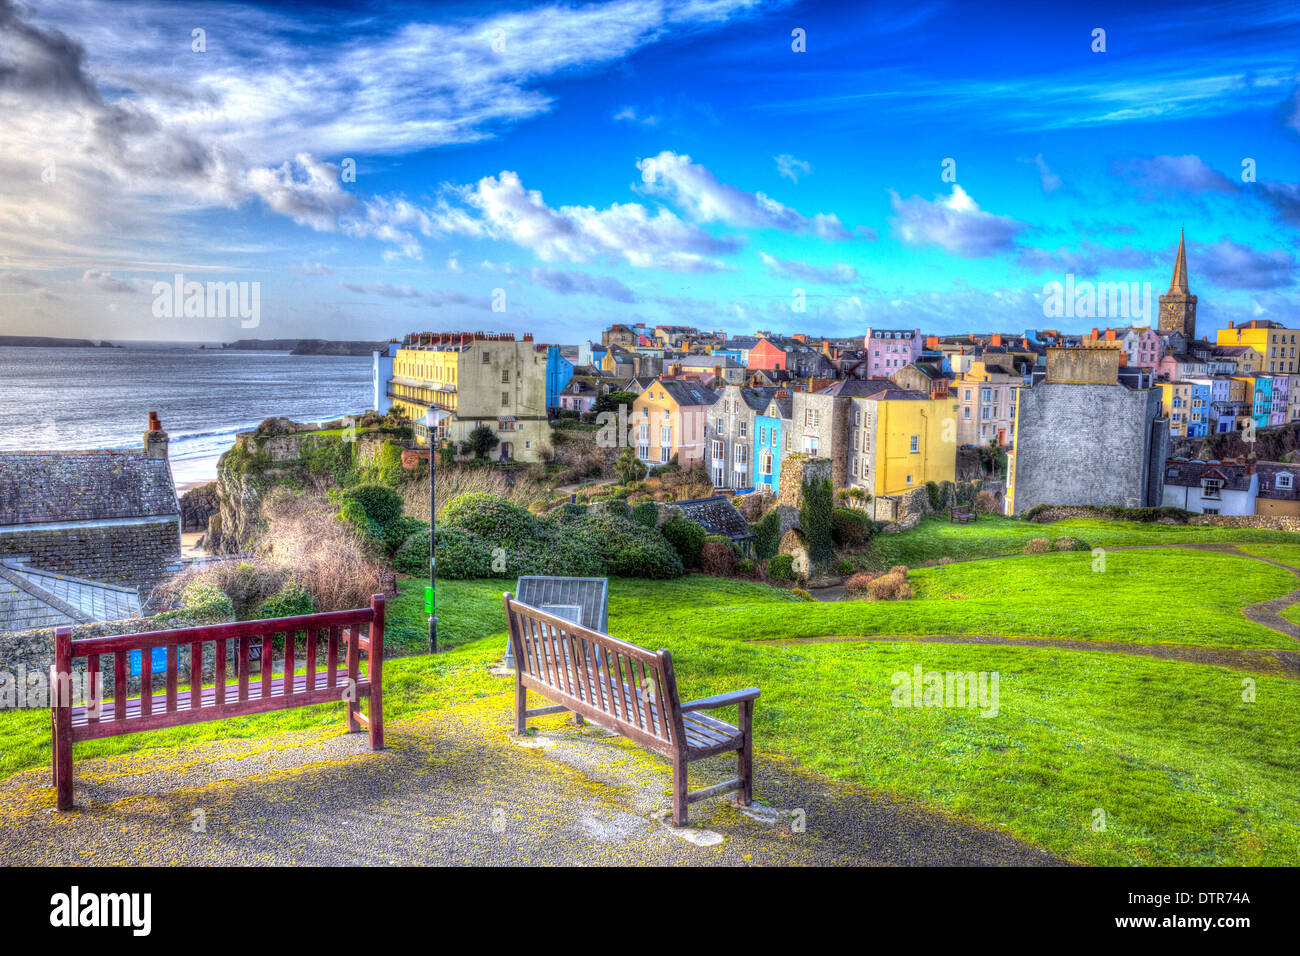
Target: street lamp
<point x="431" y="419"/>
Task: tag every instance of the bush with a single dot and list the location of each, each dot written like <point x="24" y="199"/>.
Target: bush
<point x="378" y="503"/>
<point x="767" y="535"/>
<point x="857" y="583"/>
<point x="687" y="538"/>
<point x="1071" y="544"/>
<point x="492" y="518"/>
<point x="986" y="502"/>
<point x="204" y="601"/>
<point x="850" y="528"/>
<point x="413" y="556"/>
<point x="843" y="566"/>
<point x="718" y="558"/>
<point x="1038" y="545"/>
<point x="290" y="601"/>
<point x="645" y="514"/>
<point x="462" y="553"/>
<point x="746" y="566"/>
<point x="893" y="586"/>
<point x="781" y="568"/>
<point x="802" y="594"/>
<point x="816" y="517"/>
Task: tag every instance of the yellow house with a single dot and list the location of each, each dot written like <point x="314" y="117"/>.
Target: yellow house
<point x="1278" y="348"/>
<point x="669" y="419"/>
<point x="1177" y="400"/>
<point x="899" y="440"/>
<point x="479" y="379"/>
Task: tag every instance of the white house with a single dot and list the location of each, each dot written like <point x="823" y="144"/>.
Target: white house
<point x="1211" y="487"/>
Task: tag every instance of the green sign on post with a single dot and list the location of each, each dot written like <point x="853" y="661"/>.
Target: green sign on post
<point x="428" y="600"/>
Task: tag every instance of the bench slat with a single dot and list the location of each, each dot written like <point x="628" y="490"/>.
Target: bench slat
<point x="173" y="662"/>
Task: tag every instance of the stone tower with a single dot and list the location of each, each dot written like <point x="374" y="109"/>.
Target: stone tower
<point x="1178" y="307"/>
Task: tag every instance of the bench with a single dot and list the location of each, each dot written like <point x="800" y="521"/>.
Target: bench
<point x="961" y="514"/>
<point x="629" y="690"/>
<point x="332" y="632"/>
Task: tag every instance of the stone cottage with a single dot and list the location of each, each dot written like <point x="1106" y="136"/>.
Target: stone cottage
<point x="106" y="517"/>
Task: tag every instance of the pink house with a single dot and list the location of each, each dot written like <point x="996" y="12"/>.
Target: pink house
<point x="1144" y="346"/>
<point x="888" y="350"/>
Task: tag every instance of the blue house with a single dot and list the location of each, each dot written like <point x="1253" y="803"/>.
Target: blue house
<point x="559" y="371"/>
<point x="1198" y="419"/>
<point x="771" y="431"/>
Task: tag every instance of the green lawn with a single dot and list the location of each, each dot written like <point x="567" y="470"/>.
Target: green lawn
<point x="1288" y="554"/>
<point x="992" y="536"/>
<point x="1185" y="770"/>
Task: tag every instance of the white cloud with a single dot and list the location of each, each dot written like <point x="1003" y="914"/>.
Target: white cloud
<point x="581" y="283"/>
<point x="695" y="189"/>
<point x="839" y="274"/>
<point x="955" y="223"/>
<point x="791" y="168"/>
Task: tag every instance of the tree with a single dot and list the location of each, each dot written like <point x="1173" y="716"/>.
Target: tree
<point x="612" y="400"/>
<point x="628" y="466"/>
<point x="480" y="442"/>
<point x="447" y="452"/>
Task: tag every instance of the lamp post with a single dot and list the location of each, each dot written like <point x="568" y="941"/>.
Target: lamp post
<point x="431" y="418"/>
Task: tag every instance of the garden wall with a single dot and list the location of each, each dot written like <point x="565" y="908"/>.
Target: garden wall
<point x="1274" y="522"/>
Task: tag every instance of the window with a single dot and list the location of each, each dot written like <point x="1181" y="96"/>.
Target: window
<point x="505" y="399"/>
<point x="810" y="446"/>
<point x="765" y="462"/>
<point x="811" y="417"/>
<point x="643" y="452"/>
<point x="645" y="411"/>
<point x="666" y="435"/>
<point x="505" y="376"/>
<point x="667" y="414"/>
<point x="915" y="447"/>
<point x="722" y="427"/>
<point x="965" y="412"/>
<point x="742" y="456"/>
<point x="664" y="455"/>
<point x="1211" y="487"/>
<point x="643" y="434"/>
<point x="486" y="358"/>
<point x="741" y="428"/>
<point x="1284" y="480"/>
<point x="762" y="435"/>
<point x="909" y="479"/>
<point x="717" y="451"/>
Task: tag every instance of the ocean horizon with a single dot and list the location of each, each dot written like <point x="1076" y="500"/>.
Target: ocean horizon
<point x="65" y="398"/>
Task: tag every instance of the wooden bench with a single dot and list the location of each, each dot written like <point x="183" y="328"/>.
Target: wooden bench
<point x="629" y="690"/>
<point x="962" y="514"/>
<point x="331" y="631"/>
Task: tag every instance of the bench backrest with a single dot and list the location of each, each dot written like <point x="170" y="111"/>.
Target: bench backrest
<point x="611" y="682"/>
<point x="337" y="633"/>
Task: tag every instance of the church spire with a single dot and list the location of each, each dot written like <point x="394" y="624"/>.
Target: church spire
<point x="1179" y="283"/>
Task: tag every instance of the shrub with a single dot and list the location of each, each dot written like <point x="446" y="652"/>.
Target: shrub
<point x="986" y="502"/>
<point x="378" y="503"/>
<point x="687" y="538"/>
<point x="844" y="566"/>
<point x="850" y="527"/>
<point x="290" y="601"/>
<point x="934" y="492"/>
<point x="413" y="556"/>
<point x="718" y="558"/>
<point x="781" y="568"/>
<point x="857" y="583"/>
<point x="492" y="518"/>
<point x="462" y="553"/>
<point x="204" y="601"/>
<point x="802" y="594"/>
<point x="767" y="535"/>
<point x="645" y="514"/>
<point x="1038" y="545"/>
<point x="1071" y="544"/>
<point x="893" y="586"/>
<point x="746" y="566"/>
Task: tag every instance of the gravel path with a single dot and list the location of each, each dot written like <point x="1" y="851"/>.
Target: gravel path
<point x="456" y="787"/>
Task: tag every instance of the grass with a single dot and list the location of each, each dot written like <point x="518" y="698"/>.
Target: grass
<point x="995" y="536"/>
<point x="1187" y="772"/>
<point x="1288" y="554"/>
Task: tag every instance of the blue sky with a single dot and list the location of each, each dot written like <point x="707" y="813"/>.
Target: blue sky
<point x="666" y="161"/>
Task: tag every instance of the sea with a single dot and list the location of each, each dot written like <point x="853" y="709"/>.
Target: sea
<point x="81" y="398"/>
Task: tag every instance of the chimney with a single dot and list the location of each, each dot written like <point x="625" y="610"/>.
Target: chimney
<point x="997" y="339"/>
<point x="155" y="439"/>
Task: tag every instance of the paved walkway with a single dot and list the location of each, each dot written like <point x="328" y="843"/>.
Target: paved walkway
<point x="456" y="787"/>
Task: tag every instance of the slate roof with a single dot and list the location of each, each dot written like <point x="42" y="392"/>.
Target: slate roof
<point x="689" y="393"/>
<point x="859" y="387"/>
<point x="718" y="516"/>
<point x="1189" y="474"/>
<point x="50" y="486"/>
<point x="31" y="599"/>
<point x="1268" y="486"/>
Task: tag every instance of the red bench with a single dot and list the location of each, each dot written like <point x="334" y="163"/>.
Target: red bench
<point x="331" y="631"/>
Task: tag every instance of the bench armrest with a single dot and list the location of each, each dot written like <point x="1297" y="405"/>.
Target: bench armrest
<point x="720" y="700"/>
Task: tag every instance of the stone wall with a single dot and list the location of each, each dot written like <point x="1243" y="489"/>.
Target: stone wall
<point x="902" y="511"/>
<point x="134" y="554"/>
<point x="1274" y="522"/>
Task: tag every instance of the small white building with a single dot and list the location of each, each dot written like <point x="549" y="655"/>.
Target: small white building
<point x="1211" y="487"/>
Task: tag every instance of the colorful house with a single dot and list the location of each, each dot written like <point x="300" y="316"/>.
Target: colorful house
<point x="671" y="420"/>
<point x="559" y="370"/>
<point x="770" y="441"/>
<point x="1210" y="487"/>
<point x="1279" y="488"/>
<point x="764" y="355"/>
<point x="1274" y="344"/>
<point x="888" y="350"/>
<point x="896" y="444"/>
